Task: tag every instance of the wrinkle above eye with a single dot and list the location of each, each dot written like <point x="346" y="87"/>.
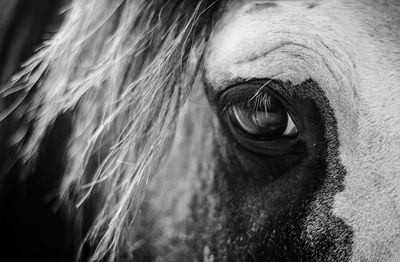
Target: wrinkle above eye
<point x="288" y="49"/>
<point x="286" y="61"/>
<point x="274" y="48"/>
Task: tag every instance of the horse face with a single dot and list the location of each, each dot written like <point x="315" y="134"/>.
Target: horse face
<point x="302" y="145"/>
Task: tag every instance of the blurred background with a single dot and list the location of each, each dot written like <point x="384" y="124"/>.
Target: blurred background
<point x="30" y="223"/>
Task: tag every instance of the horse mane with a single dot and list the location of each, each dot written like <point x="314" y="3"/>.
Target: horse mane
<point x="122" y="69"/>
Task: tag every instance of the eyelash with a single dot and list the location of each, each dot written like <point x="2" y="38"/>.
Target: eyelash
<point x="242" y="95"/>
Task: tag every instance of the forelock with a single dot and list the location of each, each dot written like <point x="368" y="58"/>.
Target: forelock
<point x="123" y="70"/>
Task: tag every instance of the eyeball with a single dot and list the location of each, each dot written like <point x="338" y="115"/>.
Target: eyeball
<point x="262" y="118"/>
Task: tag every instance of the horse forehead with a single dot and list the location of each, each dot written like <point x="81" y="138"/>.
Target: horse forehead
<point x="252" y="28"/>
<point x="351" y="49"/>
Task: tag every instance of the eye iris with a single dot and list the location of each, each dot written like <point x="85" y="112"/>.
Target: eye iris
<point x="264" y="117"/>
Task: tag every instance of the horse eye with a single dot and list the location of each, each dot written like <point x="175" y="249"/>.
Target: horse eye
<point x="262" y="118"/>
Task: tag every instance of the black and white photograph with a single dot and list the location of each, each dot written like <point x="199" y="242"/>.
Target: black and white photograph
<point x="200" y="130"/>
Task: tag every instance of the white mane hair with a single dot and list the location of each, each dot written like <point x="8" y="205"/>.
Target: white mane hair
<point x="123" y="69"/>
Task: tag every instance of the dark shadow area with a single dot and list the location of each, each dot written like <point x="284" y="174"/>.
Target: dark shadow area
<point x="31" y="227"/>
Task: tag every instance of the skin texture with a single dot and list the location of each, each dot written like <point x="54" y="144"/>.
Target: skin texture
<point x="336" y="201"/>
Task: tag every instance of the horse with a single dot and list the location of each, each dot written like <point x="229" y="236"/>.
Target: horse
<point x="224" y="130"/>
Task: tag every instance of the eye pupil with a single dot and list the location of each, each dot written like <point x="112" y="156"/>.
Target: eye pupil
<point x="263" y="117"/>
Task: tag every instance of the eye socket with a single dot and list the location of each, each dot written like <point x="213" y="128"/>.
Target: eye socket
<point x="259" y="118"/>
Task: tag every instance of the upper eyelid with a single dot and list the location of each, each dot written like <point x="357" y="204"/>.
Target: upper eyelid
<point x="235" y="95"/>
<point x="275" y="87"/>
